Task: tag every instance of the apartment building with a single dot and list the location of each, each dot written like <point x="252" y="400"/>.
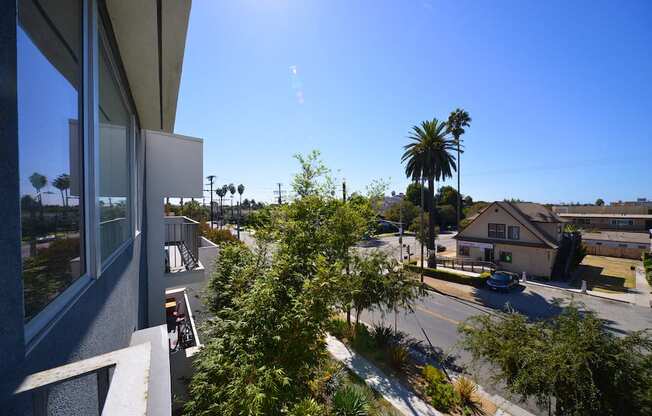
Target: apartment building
<point x="93" y="304"/>
<point x="623" y="217"/>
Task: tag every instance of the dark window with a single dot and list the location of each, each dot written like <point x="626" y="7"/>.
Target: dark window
<point x="464" y="251"/>
<point x="505" y="256"/>
<point x="514" y="232"/>
<point x="496" y="231"/>
<point x="49" y="50"/>
<point x="622" y="245"/>
<point x="598" y="244"/>
<point x="643" y="247"/>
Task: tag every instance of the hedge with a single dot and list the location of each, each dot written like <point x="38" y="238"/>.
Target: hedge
<point x="450" y="276"/>
<point x="647" y="265"/>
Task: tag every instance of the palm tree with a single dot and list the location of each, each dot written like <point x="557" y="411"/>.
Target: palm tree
<point x="233" y="190"/>
<point x="241" y="189"/>
<point x="221" y="192"/>
<point x="62" y="183"/>
<point x="457" y="120"/>
<point x="39" y="181"/>
<point x="428" y="157"/>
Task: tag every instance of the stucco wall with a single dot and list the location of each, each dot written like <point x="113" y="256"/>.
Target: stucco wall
<point x="496" y="214"/>
<point x="532" y="260"/>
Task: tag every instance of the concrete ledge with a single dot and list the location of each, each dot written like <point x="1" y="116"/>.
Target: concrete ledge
<point x="159" y="397"/>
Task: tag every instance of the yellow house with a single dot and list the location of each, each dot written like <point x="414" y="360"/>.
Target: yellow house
<point x="517" y="236"/>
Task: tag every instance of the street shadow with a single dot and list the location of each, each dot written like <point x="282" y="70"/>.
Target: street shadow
<point x="425" y="354"/>
<point x="528" y="303"/>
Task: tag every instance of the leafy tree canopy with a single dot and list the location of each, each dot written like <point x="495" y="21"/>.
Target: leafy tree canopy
<point x="572" y="362"/>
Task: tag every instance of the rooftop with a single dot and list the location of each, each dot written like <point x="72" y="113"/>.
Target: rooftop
<point x="626" y="216"/>
<point x="625" y="237"/>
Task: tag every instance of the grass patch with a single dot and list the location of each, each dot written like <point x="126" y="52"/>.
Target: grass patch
<point x="607" y="274"/>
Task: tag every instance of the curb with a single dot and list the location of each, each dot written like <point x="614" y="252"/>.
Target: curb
<point x="574" y="291"/>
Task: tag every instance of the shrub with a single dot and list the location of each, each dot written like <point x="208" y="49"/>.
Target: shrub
<point x="307" y="407"/>
<point x="339" y="328"/>
<point x="398" y="356"/>
<point x="351" y="400"/>
<point x="382" y="335"/>
<point x="362" y="339"/>
<point x="448" y="276"/>
<point x="218" y="236"/>
<point x="466" y="391"/>
<point x="441" y="392"/>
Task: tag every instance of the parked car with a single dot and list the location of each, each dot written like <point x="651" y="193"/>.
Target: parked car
<point x="440" y="248"/>
<point x="502" y="280"/>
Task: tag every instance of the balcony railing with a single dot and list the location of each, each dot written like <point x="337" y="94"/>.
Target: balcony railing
<point x="182" y="243"/>
<point x="125" y="393"/>
<point x="466" y="264"/>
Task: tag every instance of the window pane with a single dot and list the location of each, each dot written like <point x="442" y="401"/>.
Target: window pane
<point x="114" y="161"/>
<point x="50" y="148"/>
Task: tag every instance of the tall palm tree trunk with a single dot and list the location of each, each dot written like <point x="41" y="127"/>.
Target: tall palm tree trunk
<point x="432" y="256"/>
<point x="459" y="194"/>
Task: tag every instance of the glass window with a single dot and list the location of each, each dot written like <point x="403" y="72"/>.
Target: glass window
<point x="496" y="231"/>
<point x="506" y="256"/>
<point x="114" y="166"/>
<point x="49" y="57"/>
<point x="514" y="232"/>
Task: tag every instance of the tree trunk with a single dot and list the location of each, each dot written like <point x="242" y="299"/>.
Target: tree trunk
<point x="459" y="195"/>
<point x="432" y="258"/>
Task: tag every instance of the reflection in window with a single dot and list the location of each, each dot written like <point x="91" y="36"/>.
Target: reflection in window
<point x="50" y="147"/>
<point x="114" y="161"/>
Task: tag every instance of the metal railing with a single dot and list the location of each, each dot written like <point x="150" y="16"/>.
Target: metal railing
<point x="466" y="264"/>
<point x="182" y="242"/>
<point x="126" y="392"/>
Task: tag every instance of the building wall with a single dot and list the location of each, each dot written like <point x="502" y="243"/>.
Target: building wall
<point x="614" y="249"/>
<point x="532" y="260"/>
<point x="595" y="209"/>
<point x="103" y="315"/>
<point x="605" y="224"/>
<point x="496" y="214"/>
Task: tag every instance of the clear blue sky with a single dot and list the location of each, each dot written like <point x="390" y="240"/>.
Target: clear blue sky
<point x="560" y="92"/>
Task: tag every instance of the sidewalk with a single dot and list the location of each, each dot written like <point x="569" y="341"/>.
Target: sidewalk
<point x="394" y="392"/>
<point x="643" y="289"/>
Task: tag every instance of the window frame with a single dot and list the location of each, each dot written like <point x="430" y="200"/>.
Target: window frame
<point x="94" y="37"/>
<point x="518" y="232"/>
<point x="105" y="46"/>
<point x="496" y="233"/>
<point x="40" y="325"/>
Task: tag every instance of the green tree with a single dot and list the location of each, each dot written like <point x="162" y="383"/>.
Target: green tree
<point x="428" y="157"/>
<point x="400" y="289"/>
<point x="314" y="178"/>
<point x="457" y="120"/>
<point x="221" y="193"/>
<point x="413" y="193"/>
<point x="447" y="195"/>
<point x="404" y="210"/>
<point x="571" y="364"/>
<point x="599" y="202"/>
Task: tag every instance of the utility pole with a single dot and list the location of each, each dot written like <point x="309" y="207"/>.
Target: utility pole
<point x="344" y="190"/>
<point x="400" y="230"/>
<point x="280" y="193"/>
<point x="422" y="225"/>
<point x="211" y="178"/>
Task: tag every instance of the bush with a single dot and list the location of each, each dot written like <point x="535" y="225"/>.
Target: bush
<point x="382" y="335"/>
<point x="442" y="394"/>
<point x="450" y="276"/>
<point x="218" y="236"/>
<point x="351" y="400"/>
<point x="362" y="339"/>
<point x="338" y="328"/>
<point x="466" y="391"/>
<point x="307" y="407"/>
<point x="398" y="357"/>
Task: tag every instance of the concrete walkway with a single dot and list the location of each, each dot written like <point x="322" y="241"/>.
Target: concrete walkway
<point x="643" y="289"/>
<point x="391" y="389"/>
